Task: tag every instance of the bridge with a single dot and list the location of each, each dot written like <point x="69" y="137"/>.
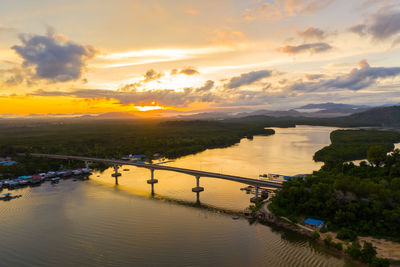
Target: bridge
<point x="152" y="167"/>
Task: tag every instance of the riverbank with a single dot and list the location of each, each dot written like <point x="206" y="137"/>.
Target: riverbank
<point x="384" y="248"/>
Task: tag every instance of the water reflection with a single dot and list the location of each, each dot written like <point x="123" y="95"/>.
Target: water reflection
<point x="288" y="152"/>
<point x="95" y="222"/>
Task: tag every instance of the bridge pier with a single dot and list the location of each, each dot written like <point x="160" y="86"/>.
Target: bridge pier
<point x="256" y="198"/>
<point x="198" y="188"/>
<point x="198" y="203"/>
<point x="152" y="180"/>
<point x="116" y="174"/>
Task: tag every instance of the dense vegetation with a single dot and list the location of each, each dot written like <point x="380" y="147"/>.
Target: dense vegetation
<point x="354" y="144"/>
<point x="113" y="139"/>
<point x="362" y="199"/>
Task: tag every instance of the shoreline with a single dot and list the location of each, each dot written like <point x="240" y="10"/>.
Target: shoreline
<point x="384" y="248"/>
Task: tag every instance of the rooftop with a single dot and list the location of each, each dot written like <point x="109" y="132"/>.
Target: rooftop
<point x="314" y="222"/>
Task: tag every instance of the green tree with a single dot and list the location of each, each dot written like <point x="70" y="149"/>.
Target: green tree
<point x="376" y="154"/>
<point x="347" y="234"/>
<point x="354" y="250"/>
<point x="368" y="252"/>
<point x="379" y="262"/>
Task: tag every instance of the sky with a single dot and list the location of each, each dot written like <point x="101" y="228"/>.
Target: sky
<point x="73" y="57"/>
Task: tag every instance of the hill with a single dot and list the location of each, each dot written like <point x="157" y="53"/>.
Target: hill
<point x="384" y="116"/>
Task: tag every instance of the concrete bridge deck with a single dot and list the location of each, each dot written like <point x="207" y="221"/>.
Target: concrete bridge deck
<point x="152" y="167"/>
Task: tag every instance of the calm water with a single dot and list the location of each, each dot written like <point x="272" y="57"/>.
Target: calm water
<point x="96" y="223"/>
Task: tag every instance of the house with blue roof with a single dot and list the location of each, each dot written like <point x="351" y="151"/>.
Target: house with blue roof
<point x="314" y="223"/>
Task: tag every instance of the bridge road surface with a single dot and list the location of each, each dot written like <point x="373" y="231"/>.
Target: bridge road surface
<point x="196" y="173"/>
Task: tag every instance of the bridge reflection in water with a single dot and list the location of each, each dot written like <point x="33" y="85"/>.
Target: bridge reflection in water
<point x="152" y="167"/>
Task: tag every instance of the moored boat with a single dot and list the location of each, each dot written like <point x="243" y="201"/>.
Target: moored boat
<point x="55" y="180"/>
<point x="77" y="172"/>
<point x="275" y="177"/>
<point x="8" y="196"/>
<point x="86" y="170"/>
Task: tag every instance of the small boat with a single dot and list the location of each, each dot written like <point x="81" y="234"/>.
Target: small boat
<point x="23" y="182"/>
<point x="236" y="217"/>
<point x="247" y="188"/>
<point x="125" y="170"/>
<point x="12" y="184"/>
<point x="36" y="180"/>
<point x="8" y="196"/>
<point x="275" y="177"/>
<point x="55" y="180"/>
<point x="86" y="170"/>
<point x="51" y="174"/>
<point x="77" y="172"/>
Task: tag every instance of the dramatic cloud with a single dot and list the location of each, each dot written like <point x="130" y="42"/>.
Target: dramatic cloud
<point x="247" y="78"/>
<point x="381" y="25"/>
<point x="312" y="48"/>
<point x="357" y="79"/>
<point x="53" y="57"/>
<point x="152" y="75"/>
<point x="312" y="33"/>
<point x="207" y="86"/>
<point x="359" y="29"/>
<point x="164" y="97"/>
<point x="281" y="8"/>
<point x="189" y="71"/>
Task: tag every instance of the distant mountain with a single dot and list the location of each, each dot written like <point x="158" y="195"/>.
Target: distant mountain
<point x="326" y="110"/>
<point x="272" y="113"/>
<point x="331" y="105"/>
<point x="382" y="116"/>
<point x="113" y="116"/>
<point x="206" y="116"/>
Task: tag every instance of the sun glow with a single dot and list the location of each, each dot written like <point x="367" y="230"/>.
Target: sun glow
<point x="148" y="108"/>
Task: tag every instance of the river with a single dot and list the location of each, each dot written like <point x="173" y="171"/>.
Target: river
<point x="97" y="223"/>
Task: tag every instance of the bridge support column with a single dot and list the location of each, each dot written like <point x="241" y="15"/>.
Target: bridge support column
<point x="116" y="174"/>
<point x="256" y="198"/>
<point x="198" y="188"/>
<point x="152" y="180"/>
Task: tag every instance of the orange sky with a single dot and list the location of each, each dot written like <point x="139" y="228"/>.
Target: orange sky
<point x="95" y="57"/>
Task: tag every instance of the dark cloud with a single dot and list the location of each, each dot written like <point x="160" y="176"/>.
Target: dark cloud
<point x="207" y="86"/>
<point x="166" y="97"/>
<point x="152" y="75"/>
<point x="312" y="48"/>
<point x="189" y="71"/>
<point x="359" y="78"/>
<point x="52" y="57"/>
<point x="359" y="29"/>
<point x="312" y="33"/>
<point x="247" y="78"/>
<point x="381" y="25"/>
